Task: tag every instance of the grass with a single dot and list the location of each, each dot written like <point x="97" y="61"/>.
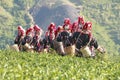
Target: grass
<point x="33" y="66"/>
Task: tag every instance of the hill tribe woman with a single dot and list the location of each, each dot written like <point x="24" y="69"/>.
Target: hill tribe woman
<point x="20" y="36"/>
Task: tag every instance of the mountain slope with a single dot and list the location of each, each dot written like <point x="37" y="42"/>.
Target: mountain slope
<point x="56" y="14"/>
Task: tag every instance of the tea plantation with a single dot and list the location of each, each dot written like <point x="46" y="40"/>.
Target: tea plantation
<point x="34" y="66"/>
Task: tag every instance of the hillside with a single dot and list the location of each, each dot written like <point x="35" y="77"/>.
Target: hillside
<point x="104" y="15"/>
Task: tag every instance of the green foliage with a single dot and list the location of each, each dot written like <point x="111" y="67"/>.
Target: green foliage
<point x="6" y="4"/>
<point x="13" y="13"/>
<point x="26" y="4"/>
<point x="24" y="66"/>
